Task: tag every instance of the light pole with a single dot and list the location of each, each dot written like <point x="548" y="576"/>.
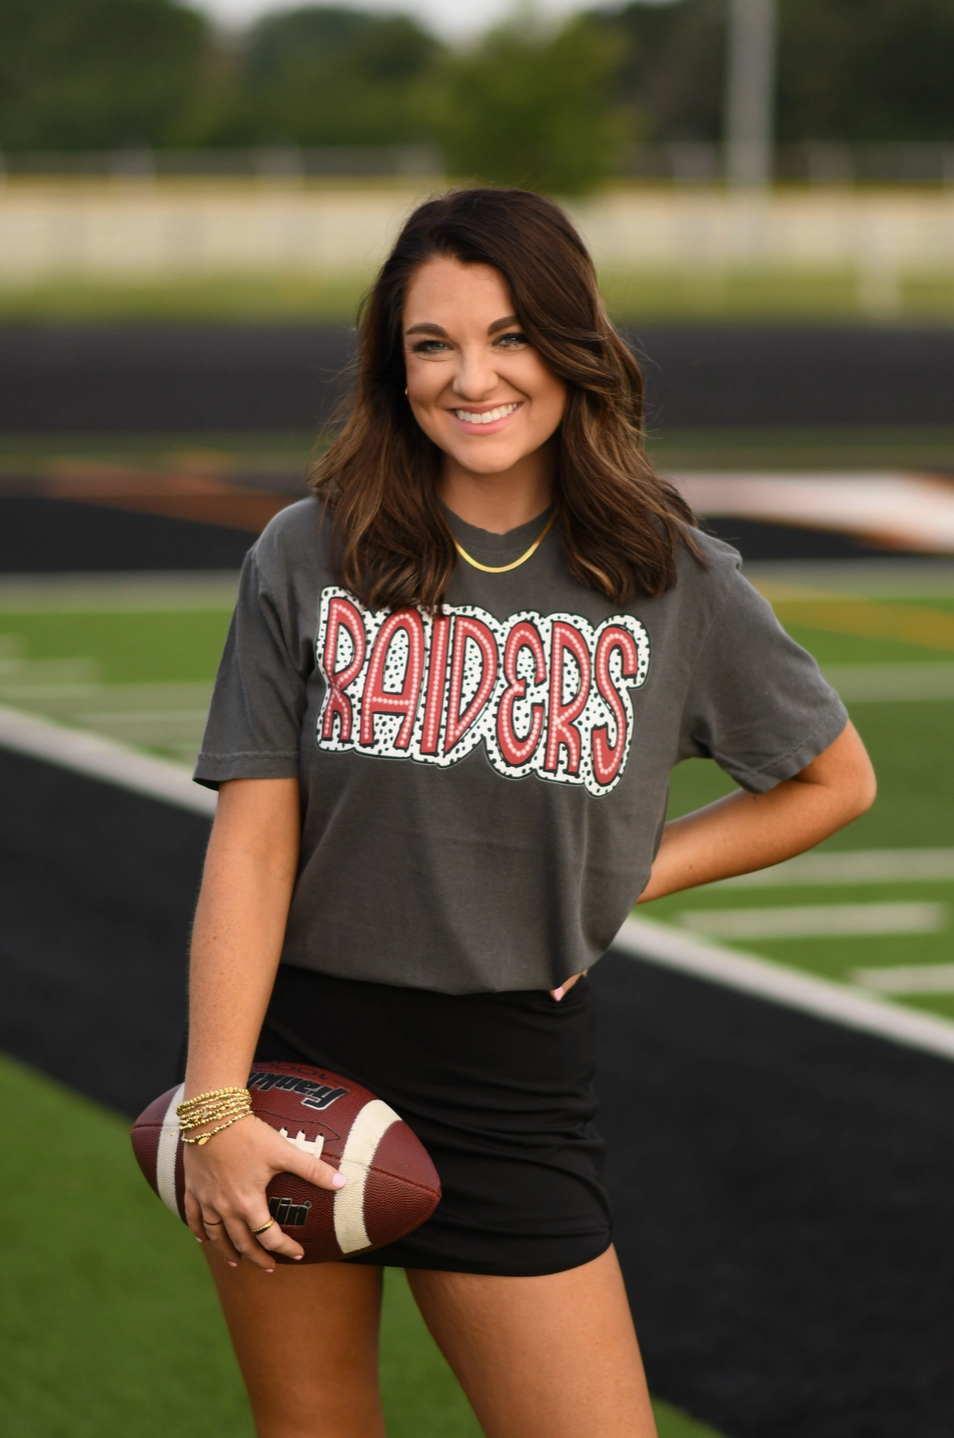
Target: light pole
<point x="750" y="92"/>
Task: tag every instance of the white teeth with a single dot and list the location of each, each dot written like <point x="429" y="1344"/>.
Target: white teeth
<point x="488" y="416"/>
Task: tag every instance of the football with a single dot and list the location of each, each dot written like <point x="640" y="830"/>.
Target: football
<point x="392" y="1185"/>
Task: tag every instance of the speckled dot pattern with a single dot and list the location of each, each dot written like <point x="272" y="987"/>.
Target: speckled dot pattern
<point x="544" y="694"/>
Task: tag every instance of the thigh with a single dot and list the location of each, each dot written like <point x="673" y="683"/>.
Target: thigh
<point x="550" y="1357"/>
<point x="307" y="1343"/>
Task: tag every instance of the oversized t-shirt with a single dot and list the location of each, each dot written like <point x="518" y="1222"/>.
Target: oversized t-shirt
<point x="483" y="790"/>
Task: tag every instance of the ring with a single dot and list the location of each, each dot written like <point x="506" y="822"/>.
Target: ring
<point x="264" y="1226"/>
<point x="212" y="1222"/>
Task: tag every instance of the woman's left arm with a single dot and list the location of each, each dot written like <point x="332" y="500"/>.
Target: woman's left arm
<point x="746" y="831"/>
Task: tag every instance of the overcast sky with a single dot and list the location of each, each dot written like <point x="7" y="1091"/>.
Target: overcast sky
<point x="454" y="19"/>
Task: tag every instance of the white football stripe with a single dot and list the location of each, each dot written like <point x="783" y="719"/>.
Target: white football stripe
<point x="166" y="1153"/>
<point x="102" y="758"/>
<point x="367" y="1131"/>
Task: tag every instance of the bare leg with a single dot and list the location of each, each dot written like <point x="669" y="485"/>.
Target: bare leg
<point x="550" y="1357"/>
<point x="307" y="1343"/>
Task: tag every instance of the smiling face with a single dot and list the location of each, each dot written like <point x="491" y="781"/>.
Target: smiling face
<point x="476" y="385"/>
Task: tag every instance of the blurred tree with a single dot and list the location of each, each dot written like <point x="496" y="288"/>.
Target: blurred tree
<point x="866" y="70"/>
<point x="672" y="63"/>
<point x="848" y="69"/>
<point x="90" y="74"/>
<point x="530" y="109"/>
<point x="327" y="76"/>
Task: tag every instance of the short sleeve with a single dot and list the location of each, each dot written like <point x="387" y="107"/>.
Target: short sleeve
<point x="757" y="702"/>
<point x="254" y="724"/>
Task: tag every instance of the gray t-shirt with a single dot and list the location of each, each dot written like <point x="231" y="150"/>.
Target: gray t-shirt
<point x="483" y="792"/>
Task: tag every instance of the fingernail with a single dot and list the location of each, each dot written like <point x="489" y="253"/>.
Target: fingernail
<point x="298" y="1257"/>
<point x="558" y="993"/>
<point x="197" y="1238"/>
<point x="338" y="1181"/>
<point x="269" y="1270"/>
<point x="231" y="1263"/>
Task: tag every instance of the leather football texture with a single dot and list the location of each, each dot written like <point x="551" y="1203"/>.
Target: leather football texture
<point x="392" y="1184"/>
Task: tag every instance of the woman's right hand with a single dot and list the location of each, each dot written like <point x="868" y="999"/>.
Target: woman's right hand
<point x="225" y="1182"/>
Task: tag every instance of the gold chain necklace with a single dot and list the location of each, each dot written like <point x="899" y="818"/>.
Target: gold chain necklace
<point x="505" y="568"/>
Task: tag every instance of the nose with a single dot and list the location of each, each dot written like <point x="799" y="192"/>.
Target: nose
<point x="476" y="376"/>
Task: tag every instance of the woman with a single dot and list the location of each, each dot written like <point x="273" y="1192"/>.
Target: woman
<point x="455" y="684"/>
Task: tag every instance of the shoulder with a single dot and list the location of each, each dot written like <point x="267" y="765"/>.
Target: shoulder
<point x="712" y="580"/>
<point x="296" y="540"/>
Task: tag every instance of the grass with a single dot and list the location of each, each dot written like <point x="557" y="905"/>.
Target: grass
<point x="108" y="1320"/>
<point x="764" y="295"/>
<point x="128" y="647"/>
<point x="910" y="747"/>
<point x="235" y="299"/>
<point x="758" y="295"/>
<point x="819" y="448"/>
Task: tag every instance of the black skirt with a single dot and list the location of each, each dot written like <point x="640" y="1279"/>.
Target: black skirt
<point x="498" y="1088"/>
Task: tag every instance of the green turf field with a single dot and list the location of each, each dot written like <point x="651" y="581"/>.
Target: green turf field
<point x="108" y="1320"/>
<point x="752" y="294"/>
<point x="909" y="741"/>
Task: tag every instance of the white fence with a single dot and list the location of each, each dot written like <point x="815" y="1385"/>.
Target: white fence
<point x="128" y="230"/>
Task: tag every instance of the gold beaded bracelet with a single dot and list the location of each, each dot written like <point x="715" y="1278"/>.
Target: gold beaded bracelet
<point x="230" y="1104"/>
<point x="200" y="1098"/>
<point x="216" y="1109"/>
<point x="204" y="1137"/>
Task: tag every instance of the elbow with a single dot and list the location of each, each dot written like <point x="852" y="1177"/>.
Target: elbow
<point x="851" y="774"/>
<point x="861" y="793"/>
<point x="865" y="796"/>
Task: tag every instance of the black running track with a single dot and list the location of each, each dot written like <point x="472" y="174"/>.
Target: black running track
<point x="783" y="1187"/>
<point x="177" y="378"/>
<point x="42" y="535"/>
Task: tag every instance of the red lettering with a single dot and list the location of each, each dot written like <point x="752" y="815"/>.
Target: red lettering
<point x="341" y="615"/>
<point x="377" y="699"/>
<point x="518" y="751"/>
<point x="466" y="629"/>
<point x="607" y="757"/>
<point x="436" y="684"/>
<point x="561" y="729"/>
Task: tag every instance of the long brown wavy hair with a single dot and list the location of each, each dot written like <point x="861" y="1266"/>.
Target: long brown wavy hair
<point x="621" y="524"/>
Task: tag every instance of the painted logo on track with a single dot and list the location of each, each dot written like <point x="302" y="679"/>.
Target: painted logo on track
<point x="545" y="694"/>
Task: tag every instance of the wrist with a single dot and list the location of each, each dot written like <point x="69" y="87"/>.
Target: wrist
<point x="211" y="1112"/>
<point x="199" y="1082"/>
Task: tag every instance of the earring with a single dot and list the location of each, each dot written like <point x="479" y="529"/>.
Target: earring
<point x="405" y="391"/>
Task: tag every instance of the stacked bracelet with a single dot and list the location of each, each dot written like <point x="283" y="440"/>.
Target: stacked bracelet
<point x="227" y="1104"/>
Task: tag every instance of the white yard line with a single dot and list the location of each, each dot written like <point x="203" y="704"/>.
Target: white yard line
<point x="144" y="716"/>
<point x="858" y="866"/>
<point x="901" y="578"/>
<point x="815" y="921"/>
<point x="158" y="590"/>
<point x="891" y="683"/>
<point x="105" y="759"/>
<point x="656" y="943"/>
<point x="907" y="979"/>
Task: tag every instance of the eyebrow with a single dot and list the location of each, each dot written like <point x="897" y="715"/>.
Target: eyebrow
<point x="430" y="329"/>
